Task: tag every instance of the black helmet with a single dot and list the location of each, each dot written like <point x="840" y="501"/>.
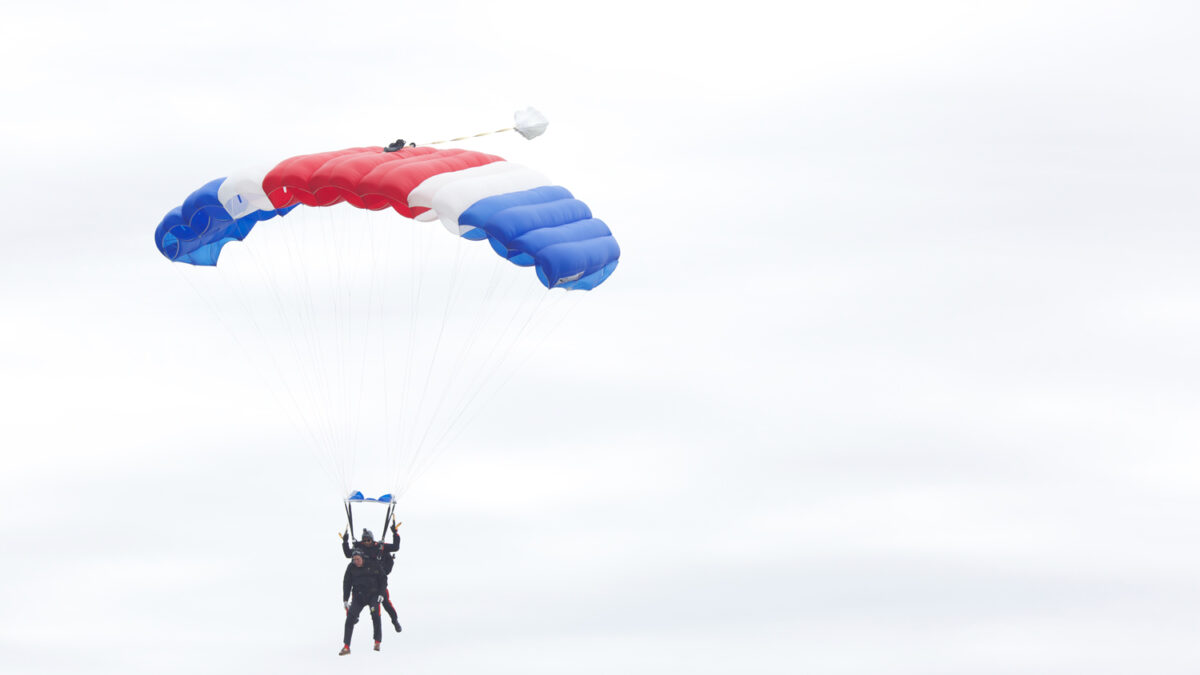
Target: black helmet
<point x="367" y="536"/>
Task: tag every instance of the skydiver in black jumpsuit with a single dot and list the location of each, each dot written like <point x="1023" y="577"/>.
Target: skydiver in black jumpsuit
<point x="379" y="556"/>
<point x="366" y="585"/>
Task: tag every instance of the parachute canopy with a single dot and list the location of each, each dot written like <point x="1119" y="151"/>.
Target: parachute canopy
<point x="477" y="196"/>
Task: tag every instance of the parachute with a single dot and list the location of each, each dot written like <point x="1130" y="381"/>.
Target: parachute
<point x="353" y="321"/>
<point x="476" y="196"/>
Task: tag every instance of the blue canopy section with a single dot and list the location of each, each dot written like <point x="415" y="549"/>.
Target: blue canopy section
<point x="546" y="227"/>
<point x="195" y="231"/>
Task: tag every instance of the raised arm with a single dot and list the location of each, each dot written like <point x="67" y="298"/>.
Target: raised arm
<point x="346" y="543"/>
<point x="395" y="545"/>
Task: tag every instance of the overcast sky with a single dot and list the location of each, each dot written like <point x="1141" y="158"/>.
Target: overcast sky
<point x="897" y="374"/>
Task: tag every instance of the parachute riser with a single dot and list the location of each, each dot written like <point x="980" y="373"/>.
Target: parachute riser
<point x="350" y="520"/>
<point x="386" y="519"/>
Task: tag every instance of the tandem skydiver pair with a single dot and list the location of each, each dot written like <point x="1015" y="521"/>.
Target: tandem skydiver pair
<point x="365" y="583"/>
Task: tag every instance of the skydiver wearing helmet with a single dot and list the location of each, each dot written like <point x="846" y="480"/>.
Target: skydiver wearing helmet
<point x="366" y="584"/>
<point x="380" y="557"/>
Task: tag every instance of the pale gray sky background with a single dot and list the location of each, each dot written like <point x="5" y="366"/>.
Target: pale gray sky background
<point x="897" y="375"/>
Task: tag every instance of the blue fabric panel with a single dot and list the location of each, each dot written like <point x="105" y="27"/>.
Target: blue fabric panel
<point x="561" y="263"/>
<point x="522" y="259"/>
<point x="203" y="213"/>
<point x="549" y="229"/>
<point x="482" y="210"/>
<point x="165" y="235"/>
<point x="590" y="281"/>
<point x="206" y="255"/>
<point x="535" y="240"/>
<point x="507" y="225"/>
<point x="195" y="232"/>
<point x="497" y="246"/>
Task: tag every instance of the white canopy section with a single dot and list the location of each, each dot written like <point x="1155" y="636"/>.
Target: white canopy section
<point x="242" y="193"/>
<point x="447" y="195"/>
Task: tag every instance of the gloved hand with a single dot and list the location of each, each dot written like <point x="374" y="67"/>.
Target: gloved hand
<point x="346" y="537"/>
<point x="379" y="600"/>
<point x="346" y="604"/>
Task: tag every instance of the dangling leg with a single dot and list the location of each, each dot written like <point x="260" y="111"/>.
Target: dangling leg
<point x="351" y="619"/>
<point x="390" y="609"/>
<point x="376" y="625"/>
